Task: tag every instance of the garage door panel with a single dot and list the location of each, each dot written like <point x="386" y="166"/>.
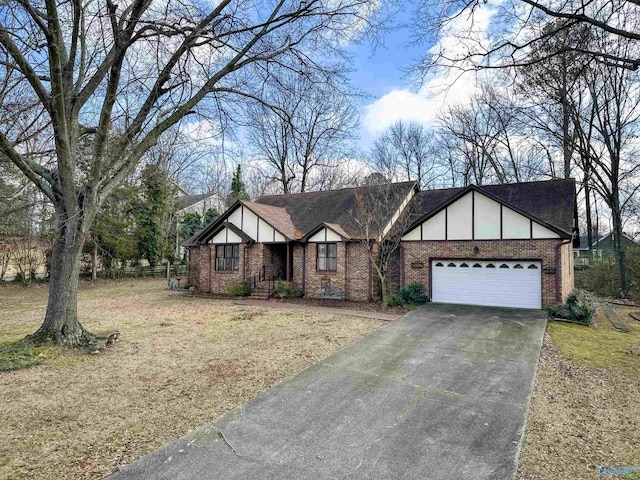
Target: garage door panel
<point x="487" y="283"/>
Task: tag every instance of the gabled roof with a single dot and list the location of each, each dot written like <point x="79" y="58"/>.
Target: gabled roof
<point x="331" y="226"/>
<point x="295" y="215"/>
<point x="186" y="201"/>
<point x="234" y="229"/>
<point x="277" y="217"/>
<point x="550" y="202"/>
<point x="584" y="242"/>
<point x="334" y="207"/>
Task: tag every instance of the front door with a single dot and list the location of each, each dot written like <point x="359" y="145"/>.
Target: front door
<point x="279" y="260"/>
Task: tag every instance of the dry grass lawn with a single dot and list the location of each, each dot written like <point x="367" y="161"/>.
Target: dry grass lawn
<point x="585" y="409"/>
<point x="180" y="362"/>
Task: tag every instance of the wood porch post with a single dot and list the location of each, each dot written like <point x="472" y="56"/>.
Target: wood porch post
<point x="288" y="275"/>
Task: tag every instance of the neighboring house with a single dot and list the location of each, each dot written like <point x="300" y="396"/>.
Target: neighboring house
<point x="194" y="204"/>
<point x="504" y="245"/>
<point x="582" y="253"/>
<point x="602" y="247"/>
<point x="199" y="203"/>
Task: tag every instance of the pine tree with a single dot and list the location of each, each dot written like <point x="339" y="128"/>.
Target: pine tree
<point x="238" y="189"/>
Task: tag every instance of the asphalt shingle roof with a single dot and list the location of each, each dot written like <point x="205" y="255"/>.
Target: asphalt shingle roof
<point x="308" y="210"/>
<point x="552" y="201"/>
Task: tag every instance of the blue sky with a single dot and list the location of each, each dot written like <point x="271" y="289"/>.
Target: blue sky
<point x="381" y="73"/>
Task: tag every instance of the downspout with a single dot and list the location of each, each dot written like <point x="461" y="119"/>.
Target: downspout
<point x="209" y="272"/>
<point x="370" y="281"/>
<point x="559" y="269"/>
<point x="401" y="265"/>
<point x="346" y="277"/>
<point x="304" y="268"/>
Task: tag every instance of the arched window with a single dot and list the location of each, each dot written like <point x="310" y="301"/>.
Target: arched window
<point x="533" y="267"/>
<point x="451" y="265"/>
<point x="464" y="265"/>
<point x="517" y="265"/>
<point x="504" y="265"/>
<point x="491" y="265"/>
<point x="439" y="264"/>
<point x="477" y="265"/>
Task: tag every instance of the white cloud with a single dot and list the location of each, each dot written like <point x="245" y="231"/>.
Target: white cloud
<point x="445" y="87"/>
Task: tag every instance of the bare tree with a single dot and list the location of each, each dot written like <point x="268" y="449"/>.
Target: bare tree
<point x="102" y="82"/>
<point x="524" y="26"/>
<point x="382" y="223"/>
<point x="488" y="142"/>
<point x="308" y="124"/>
<point x="607" y="125"/>
<point x="406" y="152"/>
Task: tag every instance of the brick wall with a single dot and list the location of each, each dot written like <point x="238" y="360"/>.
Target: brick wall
<point x="297" y="263"/>
<point x="543" y="250"/>
<point x="568" y="279"/>
<point x="194" y="267"/>
<point x="358" y="273"/>
<point x="204" y="276"/>
<point x="357" y="281"/>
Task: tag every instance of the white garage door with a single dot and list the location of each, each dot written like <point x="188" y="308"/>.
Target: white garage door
<point x="495" y="283"/>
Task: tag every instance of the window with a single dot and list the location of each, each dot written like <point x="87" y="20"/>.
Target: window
<point x="327" y="257"/>
<point x="439" y="264"/>
<point x="518" y="266"/>
<point x="477" y="265"/>
<point x="451" y="265"/>
<point x="491" y="265"/>
<point x="227" y="257"/>
<point x="532" y="267"/>
<point x="464" y="265"/>
<point x="504" y="265"/>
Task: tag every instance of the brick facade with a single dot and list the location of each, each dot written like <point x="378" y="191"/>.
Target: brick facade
<point x="355" y="279"/>
<point x="317" y="283"/>
<point x="202" y="267"/>
<point x="557" y="269"/>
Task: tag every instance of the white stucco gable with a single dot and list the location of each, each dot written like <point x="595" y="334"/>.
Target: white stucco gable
<point x="475" y="216"/>
<point x="253" y="226"/>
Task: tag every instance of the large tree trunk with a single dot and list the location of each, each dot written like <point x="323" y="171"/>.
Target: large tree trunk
<point x="621" y="254"/>
<point x="61" y="326"/>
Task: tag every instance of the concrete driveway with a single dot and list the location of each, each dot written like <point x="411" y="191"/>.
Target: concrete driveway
<point x="440" y="394"/>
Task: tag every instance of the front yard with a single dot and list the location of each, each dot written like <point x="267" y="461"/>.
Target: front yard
<point x="183" y="360"/>
<point x="180" y="362"/>
<point x="585" y="410"/>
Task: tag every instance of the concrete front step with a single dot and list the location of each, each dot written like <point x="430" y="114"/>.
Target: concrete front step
<point x="259" y="296"/>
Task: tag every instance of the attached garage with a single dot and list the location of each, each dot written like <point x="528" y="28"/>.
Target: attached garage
<point x="505" y="245"/>
<point x="498" y="283"/>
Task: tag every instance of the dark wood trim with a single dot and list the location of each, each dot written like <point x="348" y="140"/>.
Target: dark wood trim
<point x="473" y="214"/>
<point x="257" y="228"/>
<point x="501" y="223"/>
<point x="488" y="259"/>
<point x="242" y="217"/>
<point x="491" y="240"/>
<point x="446" y="223"/>
<point x="530" y="229"/>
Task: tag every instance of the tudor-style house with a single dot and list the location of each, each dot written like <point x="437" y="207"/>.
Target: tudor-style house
<point x="502" y="245"/>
